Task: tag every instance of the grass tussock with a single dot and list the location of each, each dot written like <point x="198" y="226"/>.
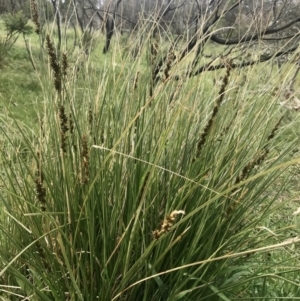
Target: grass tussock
<point x="111" y="198"/>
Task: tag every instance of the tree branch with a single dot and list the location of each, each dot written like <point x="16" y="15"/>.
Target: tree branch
<point x="172" y="8"/>
<point x="253" y="37"/>
<point x="110" y="13"/>
<point x="262" y="59"/>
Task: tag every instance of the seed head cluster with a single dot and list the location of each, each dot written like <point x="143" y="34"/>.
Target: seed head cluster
<point x="64" y="64"/>
<point x="259" y="157"/>
<point x="63" y="128"/>
<point x="54" y="63"/>
<point x="40" y="190"/>
<point x="91" y="118"/>
<point x="35" y="16"/>
<point x="167" y="224"/>
<point x="84" y="161"/>
<point x="219" y="100"/>
<point x="170" y="58"/>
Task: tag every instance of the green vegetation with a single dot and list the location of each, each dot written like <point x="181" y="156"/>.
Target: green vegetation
<point x="114" y="187"/>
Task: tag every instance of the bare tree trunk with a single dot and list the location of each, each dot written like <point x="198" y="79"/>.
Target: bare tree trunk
<point x="79" y="20"/>
<point x="110" y="26"/>
<point x="75" y="33"/>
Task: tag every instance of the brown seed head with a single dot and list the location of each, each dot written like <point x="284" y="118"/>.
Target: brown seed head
<point x="35" y="16"/>
<point x="167" y="224"/>
<point x="219" y="100"/>
<point x="53" y="63"/>
<point x="63" y="128"/>
<point x="64" y="64"/>
<point x="84" y="161"/>
<point x="39" y="184"/>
